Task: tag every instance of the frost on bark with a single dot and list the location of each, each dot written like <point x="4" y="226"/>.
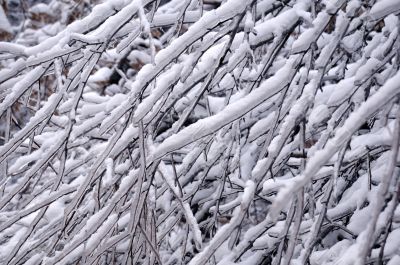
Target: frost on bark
<point x="201" y="132"/>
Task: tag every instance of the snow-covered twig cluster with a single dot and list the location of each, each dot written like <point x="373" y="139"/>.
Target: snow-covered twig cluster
<point x="203" y="132"/>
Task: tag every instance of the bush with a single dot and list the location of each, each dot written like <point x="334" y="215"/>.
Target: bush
<point x="201" y="132"/>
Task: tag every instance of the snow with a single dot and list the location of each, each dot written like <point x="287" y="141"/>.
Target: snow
<point x="231" y="112"/>
<point x="318" y="114"/>
<point x="342" y="91"/>
<point x="387" y="92"/>
<point x="222" y="108"/>
<point x="163" y="83"/>
<point x="309" y="36"/>
<point x="383" y="8"/>
<point x="226" y="230"/>
<point x="395" y="260"/>
<point x="41" y="8"/>
<point x="4" y="23"/>
<point x="191" y="16"/>
<point x="366" y="70"/>
<point x="101" y="75"/>
<point x="329" y="256"/>
<point x="275" y="26"/>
